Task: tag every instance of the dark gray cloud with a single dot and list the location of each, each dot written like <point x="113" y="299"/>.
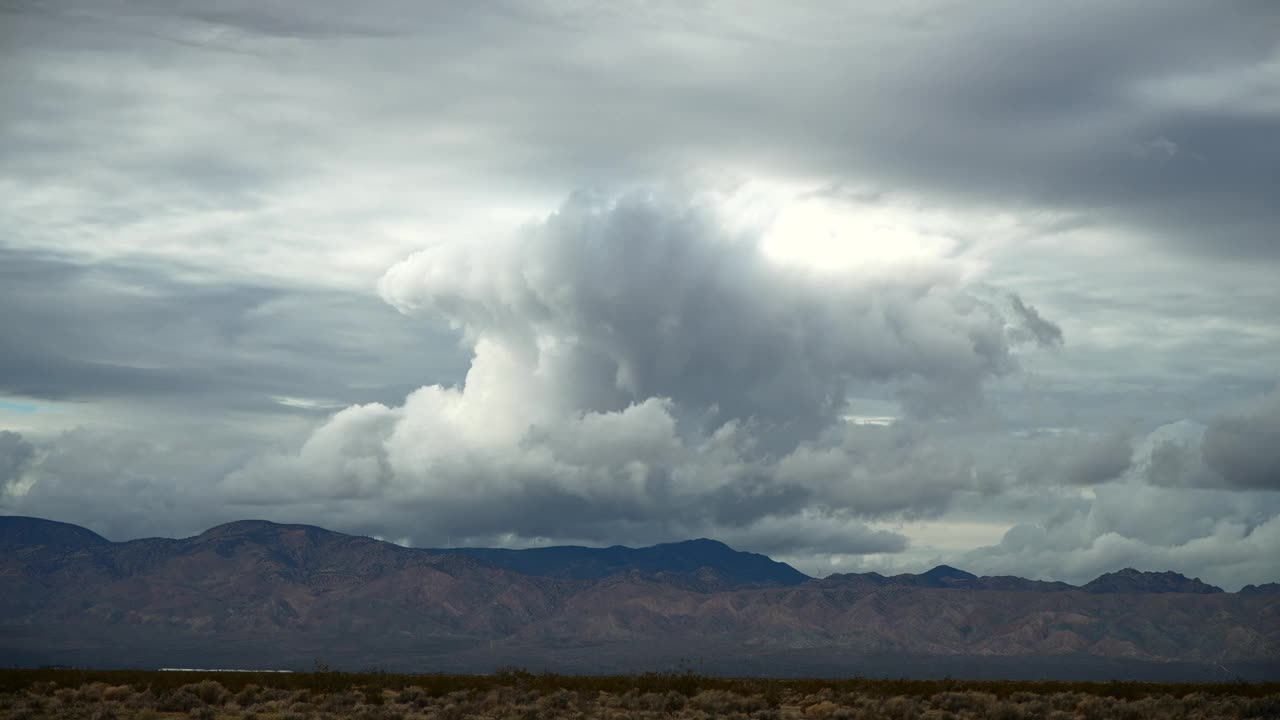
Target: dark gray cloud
<point x="1045" y="332"/>
<point x="109" y="330"/>
<point x="1235" y="451"/>
<point x="1079" y="459"/>
<point x="1082" y="109"/>
<point x="1243" y="447"/>
<point x="15" y="454"/>
<point x="182" y="261"/>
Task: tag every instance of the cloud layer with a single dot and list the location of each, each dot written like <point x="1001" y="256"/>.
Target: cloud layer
<point x="1011" y="274"/>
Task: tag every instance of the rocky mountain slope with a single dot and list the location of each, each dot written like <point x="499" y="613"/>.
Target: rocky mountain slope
<point x="669" y="560"/>
<point x="257" y="594"/>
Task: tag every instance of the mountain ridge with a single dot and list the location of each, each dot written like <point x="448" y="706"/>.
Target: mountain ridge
<point x="576" y="562"/>
<point x="253" y="592"/>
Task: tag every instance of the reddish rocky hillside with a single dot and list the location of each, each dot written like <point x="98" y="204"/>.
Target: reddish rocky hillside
<point x="256" y="594"/>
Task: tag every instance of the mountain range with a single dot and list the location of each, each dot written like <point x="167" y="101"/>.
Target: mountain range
<point x="259" y="594"/>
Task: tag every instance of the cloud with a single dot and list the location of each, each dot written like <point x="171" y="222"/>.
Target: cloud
<point x="1237" y="450"/>
<point x="134" y="331"/>
<point x="187" y="268"/>
<point x="811" y="533"/>
<point x="641" y="366"/>
<point x="991" y="106"/>
<point x="1243" y="447"/>
<point x="15" y="454"/>
<point x="1225" y="538"/>
<point x="1046" y="333"/>
<point x="1073" y="458"/>
<point x="611" y="302"/>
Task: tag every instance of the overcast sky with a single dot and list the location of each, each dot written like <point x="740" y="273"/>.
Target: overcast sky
<point x="861" y="286"/>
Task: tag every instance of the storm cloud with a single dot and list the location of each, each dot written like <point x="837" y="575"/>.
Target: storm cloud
<point x="637" y="362"/>
<point x="863" y="287"/>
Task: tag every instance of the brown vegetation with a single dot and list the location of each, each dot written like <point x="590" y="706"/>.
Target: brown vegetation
<point x="518" y="695"/>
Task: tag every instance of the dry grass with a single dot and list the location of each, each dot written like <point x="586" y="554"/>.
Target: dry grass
<point x="515" y="695"/>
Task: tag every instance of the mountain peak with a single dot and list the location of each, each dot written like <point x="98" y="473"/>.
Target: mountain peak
<point x="1263" y="589"/>
<point x="260" y="528"/>
<point x="701" y="543"/>
<point x="946" y="571"/>
<point x="1130" y="580"/>
<point x="239" y="527"/>
<point x="19" y="529"/>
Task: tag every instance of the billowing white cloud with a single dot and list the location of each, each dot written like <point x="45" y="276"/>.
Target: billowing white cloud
<point x="636" y="360"/>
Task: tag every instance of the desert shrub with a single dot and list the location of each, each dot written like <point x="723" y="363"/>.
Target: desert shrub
<point x="559" y="700"/>
<point x="823" y="709"/>
<point x="66" y="696"/>
<point x="900" y="708"/>
<point x="719" y="702"/>
<point x="42" y="687"/>
<point x="180" y="700"/>
<point x="1005" y="710"/>
<point x="249" y="695"/>
<point x="1263" y="707"/>
<point x="138" y="695"/>
<point x="825" y="693"/>
<point x="376" y="712"/>
<point x="340" y="702"/>
<point x="672" y="701"/>
<point x="1063" y="701"/>
<point x="209" y="692"/>
<point x="963" y="702"/>
<point x="141" y="700"/>
<point x="204" y="712"/>
<point x="450" y="711"/>
<point x="117" y="693"/>
<point x="89" y="694"/>
<point x="1091" y="708"/>
<point x="414" y="695"/>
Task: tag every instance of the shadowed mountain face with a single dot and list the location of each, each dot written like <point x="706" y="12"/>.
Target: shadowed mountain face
<point x="1263" y="589"/>
<point x="1129" y="580"/>
<point x="721" y="566"/>
<point x="258" y="594"/>
<point x="17" y="531"/>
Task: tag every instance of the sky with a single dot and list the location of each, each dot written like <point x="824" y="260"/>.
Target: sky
<point x="862" y="286"/>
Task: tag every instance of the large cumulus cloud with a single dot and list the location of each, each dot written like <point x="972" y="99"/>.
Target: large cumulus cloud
<point x="642" y="368"/>
<point x="610" y="302"/>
